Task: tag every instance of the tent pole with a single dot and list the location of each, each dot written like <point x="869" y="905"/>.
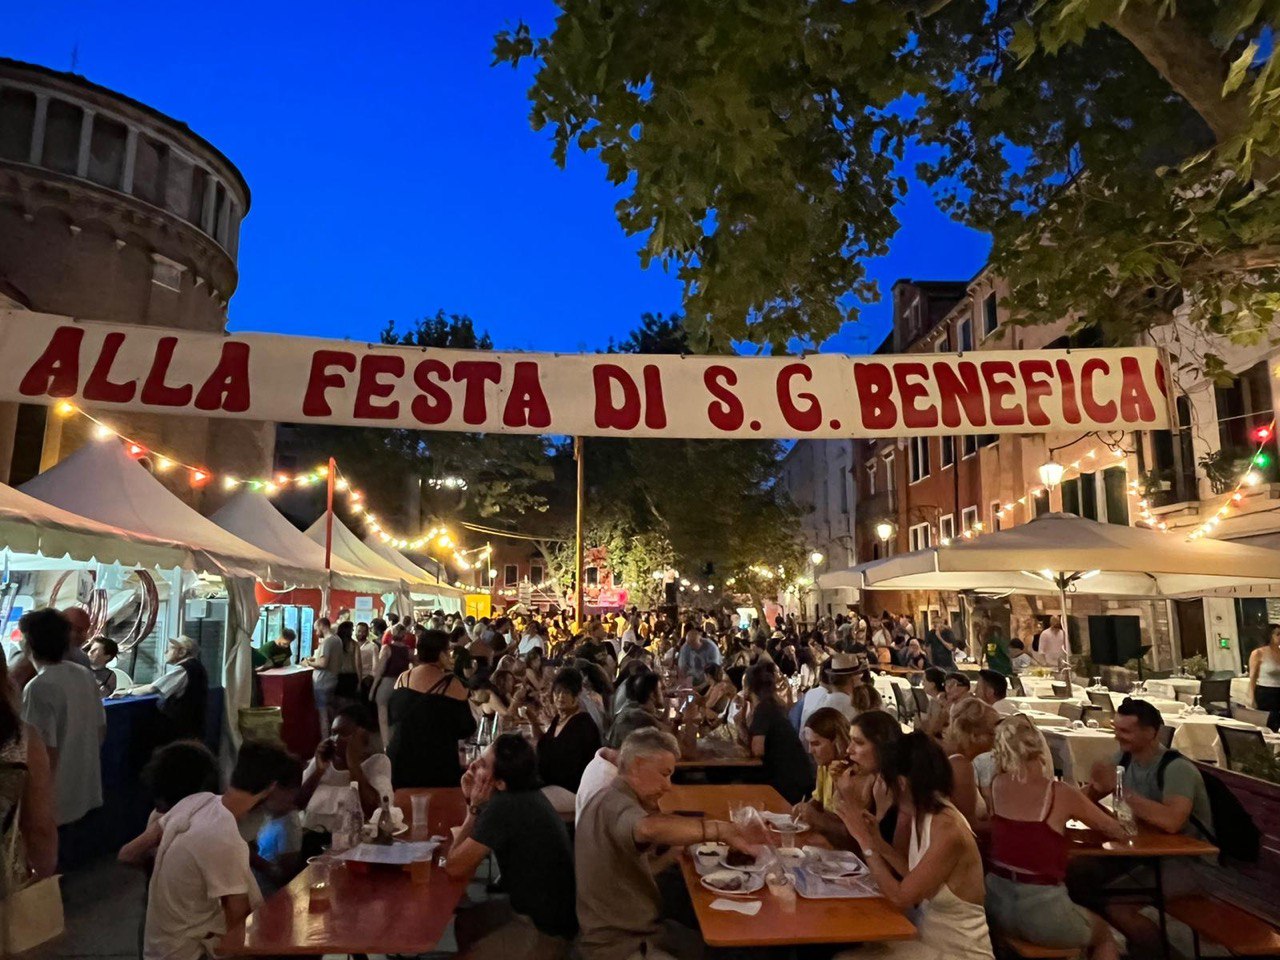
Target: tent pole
<point x="578" y="532"/>
<point x="328" y="518"/>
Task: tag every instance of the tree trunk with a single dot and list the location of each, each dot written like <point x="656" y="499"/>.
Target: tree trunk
<point x="1195" y="68"/>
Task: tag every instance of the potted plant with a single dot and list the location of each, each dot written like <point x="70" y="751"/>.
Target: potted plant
<point x="1196" y="666"/>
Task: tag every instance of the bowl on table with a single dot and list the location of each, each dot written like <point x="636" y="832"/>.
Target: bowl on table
<point x="733" y="883"/>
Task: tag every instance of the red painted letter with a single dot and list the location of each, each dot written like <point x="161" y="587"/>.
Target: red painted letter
<point x="726" y="412"/>
<point x="475" y="374"/>
<point x="655" y="409"/>
<point x="370" y="388"/>
<point x="314" y="402"/>
<point x="1070" y="405"/>
<point x="526" y="404"/>
<point x="808" y="417"/>
<point x="609" y="415"/>
<point x="997" y="390"/>
<point x="99" y="386"/>
<point x="157" y="393"/>
<point x="228" y="386"/>
<point x="1101" y="413"/>
<point x="874" y="384"/>
<point x="1037" y="378"/>
<point x="959" y="381"/>
<point x="56" y="372"/>
<point x="912" y="390"/>
<point x="435" y="405"/>
<point x="1135" y="402"/>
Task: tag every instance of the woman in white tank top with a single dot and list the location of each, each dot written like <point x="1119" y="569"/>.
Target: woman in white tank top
<point x="1264" y="678"/>
<point x="942" y="887"/>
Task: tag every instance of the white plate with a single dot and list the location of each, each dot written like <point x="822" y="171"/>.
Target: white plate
<point x="761" y="862"/>
<point x="751" y="882"/>
<point x="781" y="821"/>
<point x="790" y="857"/>
<point x="708" y="852"/>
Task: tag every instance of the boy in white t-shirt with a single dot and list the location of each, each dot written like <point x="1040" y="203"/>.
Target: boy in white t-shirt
<point x="201" y="884"/>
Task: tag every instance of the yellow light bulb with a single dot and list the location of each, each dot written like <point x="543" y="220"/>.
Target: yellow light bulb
<point x="64" y="409"/>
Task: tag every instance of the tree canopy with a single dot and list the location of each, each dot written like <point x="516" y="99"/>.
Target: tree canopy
<point x="1121" y="153"/>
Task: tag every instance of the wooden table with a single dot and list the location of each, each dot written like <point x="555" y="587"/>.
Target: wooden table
<point x="372" y="909"/>
<point x="812" y="921"/>
<point x="718" y="754"/>
<point x="1149" y="845"/>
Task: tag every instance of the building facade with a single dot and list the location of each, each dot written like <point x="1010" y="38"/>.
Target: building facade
<point x="818" y="475"/>
<point x="930" y="491"/>
<point x="110" y="210"/>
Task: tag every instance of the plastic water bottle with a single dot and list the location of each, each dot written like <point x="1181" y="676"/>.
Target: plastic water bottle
<point x="1124" y="812"/>
<point x="351" y="822"/>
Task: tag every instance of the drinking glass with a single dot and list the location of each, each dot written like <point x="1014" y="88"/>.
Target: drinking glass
<point x="780" y="885"/>
<point x="319" y="874"/>
<point x="787" y="836"/>
<point x="421" y="805"/>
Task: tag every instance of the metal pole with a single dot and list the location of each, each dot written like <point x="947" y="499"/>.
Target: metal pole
<point x="578" y="560"/>
<point x="328" y="517"/>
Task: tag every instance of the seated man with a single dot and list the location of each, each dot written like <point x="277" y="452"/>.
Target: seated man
<point x="201" y="884"/>
<point x="1166" y="792"/>
<point x="1020" y="659"/>
<point x="102" y="650"/>
<point x="623" y="841"/>
<point x="992" y="689"/>
<point x="509" y="816"/>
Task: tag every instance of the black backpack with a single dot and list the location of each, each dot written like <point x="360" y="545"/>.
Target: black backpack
<point x="1237" y="836"/>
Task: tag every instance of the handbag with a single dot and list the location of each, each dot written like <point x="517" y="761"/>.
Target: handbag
<point x="30" y="915"/>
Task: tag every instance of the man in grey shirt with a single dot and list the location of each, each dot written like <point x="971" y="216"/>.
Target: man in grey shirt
<point x="618" y="851"/>
<point x="62" y="702"/>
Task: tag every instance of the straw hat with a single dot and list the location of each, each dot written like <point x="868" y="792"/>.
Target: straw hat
<point x="845" y="663"/>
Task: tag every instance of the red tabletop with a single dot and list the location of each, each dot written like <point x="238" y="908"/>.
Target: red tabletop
<point x="811" y="921"/>
<point x="367" y="910"/>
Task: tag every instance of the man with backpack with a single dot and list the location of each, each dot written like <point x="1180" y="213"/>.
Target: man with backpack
<point x="1166" y="792"/>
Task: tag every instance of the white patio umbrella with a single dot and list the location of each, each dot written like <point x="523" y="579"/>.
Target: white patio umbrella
<point x="1060" y="553"/>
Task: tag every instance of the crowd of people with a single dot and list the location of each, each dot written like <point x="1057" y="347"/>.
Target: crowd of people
<point x="564" y="740"/>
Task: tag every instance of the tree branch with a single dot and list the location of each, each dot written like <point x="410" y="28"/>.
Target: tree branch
<point x="1236" y="261"/>
<point x="1194" y="68"/>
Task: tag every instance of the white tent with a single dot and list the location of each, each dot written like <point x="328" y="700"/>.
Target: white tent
<point x="423" y="585"/>
<point x="101" y="482"/>
<point x="252" y="517"/>
<point x="38" y="530"/>
<point x="1060" y="551"/>
<point x="348" y="547"/>
<point x="409" y="570"/>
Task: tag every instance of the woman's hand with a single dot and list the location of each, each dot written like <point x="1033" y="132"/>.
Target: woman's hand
<point x="324" y="753"/>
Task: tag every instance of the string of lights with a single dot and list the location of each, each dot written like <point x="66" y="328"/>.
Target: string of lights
<point x="437" y="538"/>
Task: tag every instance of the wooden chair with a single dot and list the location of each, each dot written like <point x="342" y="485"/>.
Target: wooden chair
<point x="1238" y="931"/>
<point x="1239" y="744"/>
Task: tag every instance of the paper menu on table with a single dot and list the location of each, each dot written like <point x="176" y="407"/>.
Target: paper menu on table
<point x="395" y="854"/>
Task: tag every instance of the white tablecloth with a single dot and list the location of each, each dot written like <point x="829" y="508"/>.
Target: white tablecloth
<point x="1167" y="708"/>
<point x="1040" y="704"/>
<point x="1196" y="736"/>
<point x="1043" y="687"/>
<point x="1170" y="687"/>
<point x="1240" y="691"/>
<point x="884" y="684"/>
<point x="1076" y="751"/>
<point x="1043" y="720"/>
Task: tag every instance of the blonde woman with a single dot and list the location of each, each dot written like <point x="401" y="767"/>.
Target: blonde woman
<point x="1026" y="890"/>
<point x="970" y="733"/>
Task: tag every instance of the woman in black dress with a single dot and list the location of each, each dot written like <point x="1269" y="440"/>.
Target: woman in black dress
<point x="571" y="742"/>
<point x="429" y="714"/>
<point x="769" y="735"/>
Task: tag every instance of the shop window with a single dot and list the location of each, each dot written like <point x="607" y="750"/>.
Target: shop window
<point x="62" y="137"/>
<point x="106" y="152"/>
<point x="17" y="120"/>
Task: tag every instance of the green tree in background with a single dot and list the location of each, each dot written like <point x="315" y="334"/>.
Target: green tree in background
<point x="1121" y="153"/>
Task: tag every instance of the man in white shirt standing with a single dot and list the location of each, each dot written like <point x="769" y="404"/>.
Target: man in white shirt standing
<point x="1053" y="643"/>
<point x="62" y="702"/>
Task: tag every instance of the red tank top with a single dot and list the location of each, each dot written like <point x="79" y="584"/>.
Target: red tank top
<point x="1030" y="847"/>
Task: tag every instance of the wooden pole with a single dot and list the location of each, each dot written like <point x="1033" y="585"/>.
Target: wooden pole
<point x="328" y="517"/>
<point x="578" y="559"/>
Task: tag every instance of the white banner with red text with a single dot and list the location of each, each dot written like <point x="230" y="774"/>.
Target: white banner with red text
<point x="287" y="379"/>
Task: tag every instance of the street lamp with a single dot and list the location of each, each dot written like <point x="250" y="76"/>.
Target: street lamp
<point x="884" y="530"/>
<point x="1051" y="473"/>
<point x="816" y="557"/>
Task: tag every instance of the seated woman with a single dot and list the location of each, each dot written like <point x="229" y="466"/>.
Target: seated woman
<point x="873" y="738"/>
<point x="720" y="692"/>
<point x="767" y="733"/>
<point x="826" y="737"/>
<point x="970" y="733"/>
<point x="345" y="757"/>
<point x="934" y="721"/>
<point x="916" y="658"/>
<point x="429" y="714"/>
<point x="933" y="867"/>
<point x="1026" y="883"/>
<point x="571" y="741"/>
<point x="508" y="816"/>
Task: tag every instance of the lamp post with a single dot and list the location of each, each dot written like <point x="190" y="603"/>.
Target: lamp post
<point x="1051" y="473"/>
<point x="885" y="531"/>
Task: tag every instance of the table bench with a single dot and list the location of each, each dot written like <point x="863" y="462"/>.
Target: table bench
<point x="1238" y="931"/>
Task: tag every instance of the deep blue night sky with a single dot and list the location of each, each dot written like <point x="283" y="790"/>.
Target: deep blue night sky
<point x="394" y="172"/>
